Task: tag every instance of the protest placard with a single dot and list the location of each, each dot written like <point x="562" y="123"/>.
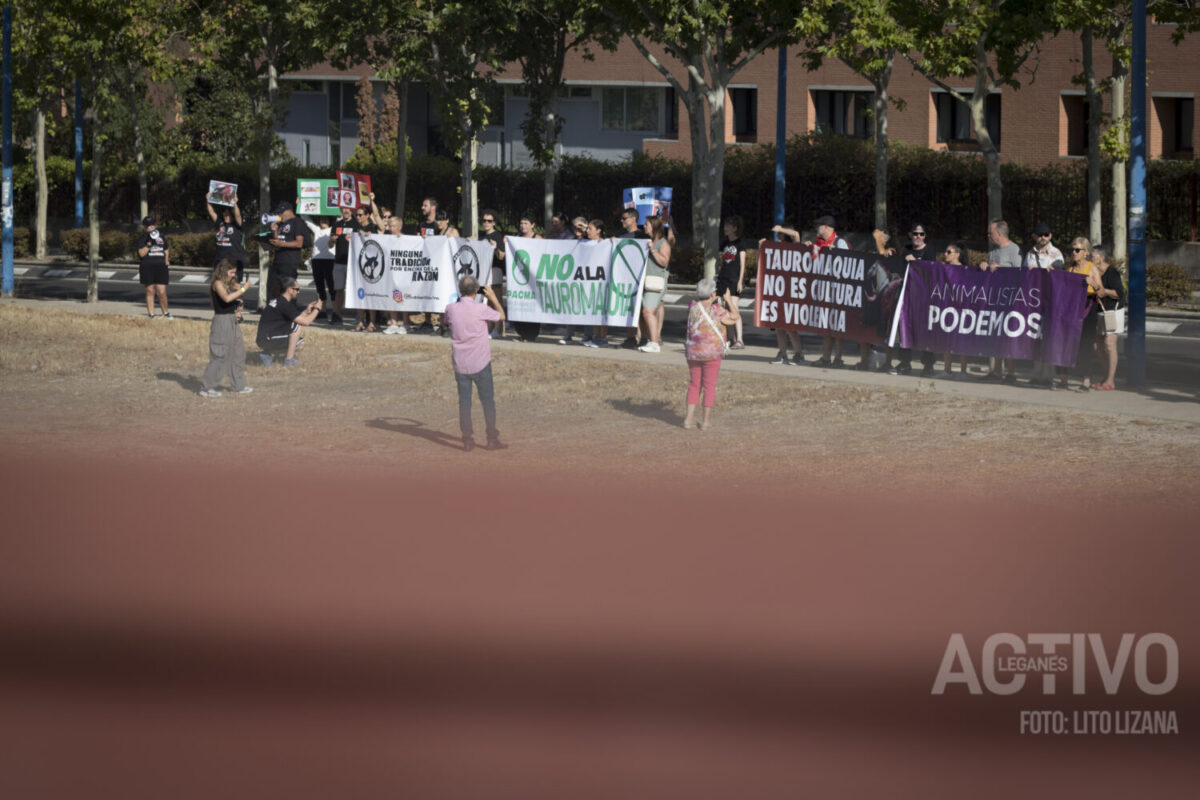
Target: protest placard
<point x="221" y="193"/>
<point x="575" y="281"/>
<point x="411" y="273"/>
<point x="313" y="194"/>
<point x="834" y="292"/>
<point x="355" y="190"/>
<point x="1007" y="313"/>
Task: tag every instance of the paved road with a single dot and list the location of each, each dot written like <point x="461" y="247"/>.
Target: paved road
<point x="1172" y="343"/>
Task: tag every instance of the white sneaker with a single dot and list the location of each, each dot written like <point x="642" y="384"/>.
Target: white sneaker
<point x="651" y="347"/>
<point x="209" y="393"/>
<point x="590" y="343"/>
<point x="391" y="330"/>
<point x="243" y="390"/>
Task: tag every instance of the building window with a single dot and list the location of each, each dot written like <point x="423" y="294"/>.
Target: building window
<point x="671" y="105"/>
<point x="1171" y="127"/>
<point x="306" y="152"/>
<point x="349" y="101"/>
<point x="745" y="114"/>
<point x="954" y="119"/>
<point x="843" y="112"/>
<point x="1074" y="118"/>
<point x="631" y="108"/>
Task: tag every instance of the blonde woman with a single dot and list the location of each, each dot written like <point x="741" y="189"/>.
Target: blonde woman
<point x="704" y="348"/>
<point x="227" y="349"/>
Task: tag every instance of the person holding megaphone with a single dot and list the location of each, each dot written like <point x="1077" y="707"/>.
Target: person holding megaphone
<point x="288" y="237"/>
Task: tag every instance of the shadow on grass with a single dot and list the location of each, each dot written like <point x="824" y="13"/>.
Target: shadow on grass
<point x="412" y="427"/>
<point x="189" y="382"/>
<point x="654" y="409"/>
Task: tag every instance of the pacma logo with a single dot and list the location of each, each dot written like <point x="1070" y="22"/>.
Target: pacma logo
<point x="398" y="295"/>
<point x="1007" y="659"/>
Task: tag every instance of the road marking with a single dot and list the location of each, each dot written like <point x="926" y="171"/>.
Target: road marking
<point x="192" y="279"/>
<point x="106" y="274"/>
<point x="745" y="302"/>
<point x="672" y="298"/>
<point x="1156" y="326"/>
<point x="20" y="270"/>
<point x="56" y="273"/>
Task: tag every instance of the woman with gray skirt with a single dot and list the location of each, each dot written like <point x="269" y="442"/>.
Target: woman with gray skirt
<point x="225" y="344"/>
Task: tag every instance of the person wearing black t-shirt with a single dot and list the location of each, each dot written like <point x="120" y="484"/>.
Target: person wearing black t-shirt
<point x="154" y="266"/>
<point x="427" y="226"/>
<point x="364" y="224"/>
<point x="527" y="331"/>
<point x="231" y="242"/>
<point x="918" y="250"/>
<point x="631" y="230"/>
<point x="732" y="275"/>
<point x="288" y="237"/>
<point x="497" y="279"/>
<point x="281" y="322"/>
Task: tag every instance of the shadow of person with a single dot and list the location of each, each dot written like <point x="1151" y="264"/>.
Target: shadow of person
<point x="654" y="409"/>
<point x="189" y="382"/>
<point x="412" y="427"/>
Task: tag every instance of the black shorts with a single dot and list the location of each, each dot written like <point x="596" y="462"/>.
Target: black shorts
<point x="154" y="274"/>
<point x="724" y="283"/>
<point x="279" y="344"/>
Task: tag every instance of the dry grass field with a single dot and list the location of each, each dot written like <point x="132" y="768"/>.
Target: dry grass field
<point x="312" y="591"/>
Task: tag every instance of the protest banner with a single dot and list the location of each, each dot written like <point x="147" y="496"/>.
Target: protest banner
<point x="575" y="281"/>
<point x="355" y="190"/>
<point x="411" y="273"/>
<point x="221" y="193"/>
<point x="1008" y="313"/>
<point x="835" y="292"/>
<point x="313" y="194"/>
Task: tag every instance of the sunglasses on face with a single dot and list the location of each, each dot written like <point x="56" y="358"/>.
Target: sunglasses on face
<point x="488" y="220"/>
<point x="1078" y="250"/>
<point x="917" y="233"/>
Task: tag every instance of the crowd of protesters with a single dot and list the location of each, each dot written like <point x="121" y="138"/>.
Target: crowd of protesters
<point x="714" y="316"/>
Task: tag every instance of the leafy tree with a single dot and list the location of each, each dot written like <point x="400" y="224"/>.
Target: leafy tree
<point x="988" y="42"/>
<point x="698" y="48"/>
<point x="539" y="35"/>
<point x="865" y="35"/>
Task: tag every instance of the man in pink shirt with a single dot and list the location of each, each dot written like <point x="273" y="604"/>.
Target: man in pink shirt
<point x="471" y="354"/>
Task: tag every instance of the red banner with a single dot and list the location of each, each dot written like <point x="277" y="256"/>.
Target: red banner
<point x="842" y="293"/>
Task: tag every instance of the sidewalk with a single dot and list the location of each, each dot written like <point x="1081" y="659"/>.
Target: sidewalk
<point x="1150" y="403"/>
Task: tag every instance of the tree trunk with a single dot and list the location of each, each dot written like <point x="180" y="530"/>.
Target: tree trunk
<point x="1095" y="218"/>
<point x="881" y="143"/>
<point x="715" y="169"/>
<point x="469" y="204"/>
<point x="550" y="171"/>
<point x="264" y="178"/>
<point x="401" y="150"/>
<point x="93" y="287"/>
<point x="1120" y="197"/>
<point x="138" y="149"/>
<point x="991" y="156"/>
<point x="43" y="189"/>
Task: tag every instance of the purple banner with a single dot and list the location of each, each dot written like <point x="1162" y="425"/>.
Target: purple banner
<point x="1010" y="313"/>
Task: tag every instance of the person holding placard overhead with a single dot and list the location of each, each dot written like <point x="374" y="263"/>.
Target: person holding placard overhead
<point x="653" y="312"/>
<point x="231" y="241"/>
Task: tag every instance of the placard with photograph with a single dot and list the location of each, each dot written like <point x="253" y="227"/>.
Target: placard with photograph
<point x="221" y="193"/>
<point x="355" y="190"/>
<point x="315" y="198"/>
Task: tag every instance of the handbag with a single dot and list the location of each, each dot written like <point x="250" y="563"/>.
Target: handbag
<point x="1114" y="320"/>
<point x="656" y="283"/>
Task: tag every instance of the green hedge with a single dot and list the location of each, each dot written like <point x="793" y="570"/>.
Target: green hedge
<point x="826" y="174"/>
<point x="22" y="242"/>
<point x="1168" y="283"/>
<point x="113" y="244"/>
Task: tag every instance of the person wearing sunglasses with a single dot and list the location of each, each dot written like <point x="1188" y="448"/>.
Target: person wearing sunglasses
<point x="1081" y="264"/>
<point x="1043" y="255"/>
<point x="917" y="249"/>
<point x="492" y="233"/>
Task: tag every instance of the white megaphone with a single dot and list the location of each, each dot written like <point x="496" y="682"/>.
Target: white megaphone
<point x="267" y="219"/>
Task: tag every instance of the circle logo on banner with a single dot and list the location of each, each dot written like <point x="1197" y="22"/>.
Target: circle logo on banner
<point x="630" y="255"/>
<point x="361" y="293"/>
<point x="466" y="262"/>
<point x="398" y="295"/>
<point x="370" y="261"/>
<point x="521" y="267"/>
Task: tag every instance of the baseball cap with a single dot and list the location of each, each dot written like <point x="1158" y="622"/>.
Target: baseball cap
<point x="1041" y="229"/>
<point x="825" y="220"/>
<point x="282" y="206"/>
<point x="147" y="221"/>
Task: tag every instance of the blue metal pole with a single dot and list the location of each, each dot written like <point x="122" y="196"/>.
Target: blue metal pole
<point x="1135" y="342"/>
<point x="78" y="155"/>
<point x="781" y="138"/>
<point x="6" y="190"/>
